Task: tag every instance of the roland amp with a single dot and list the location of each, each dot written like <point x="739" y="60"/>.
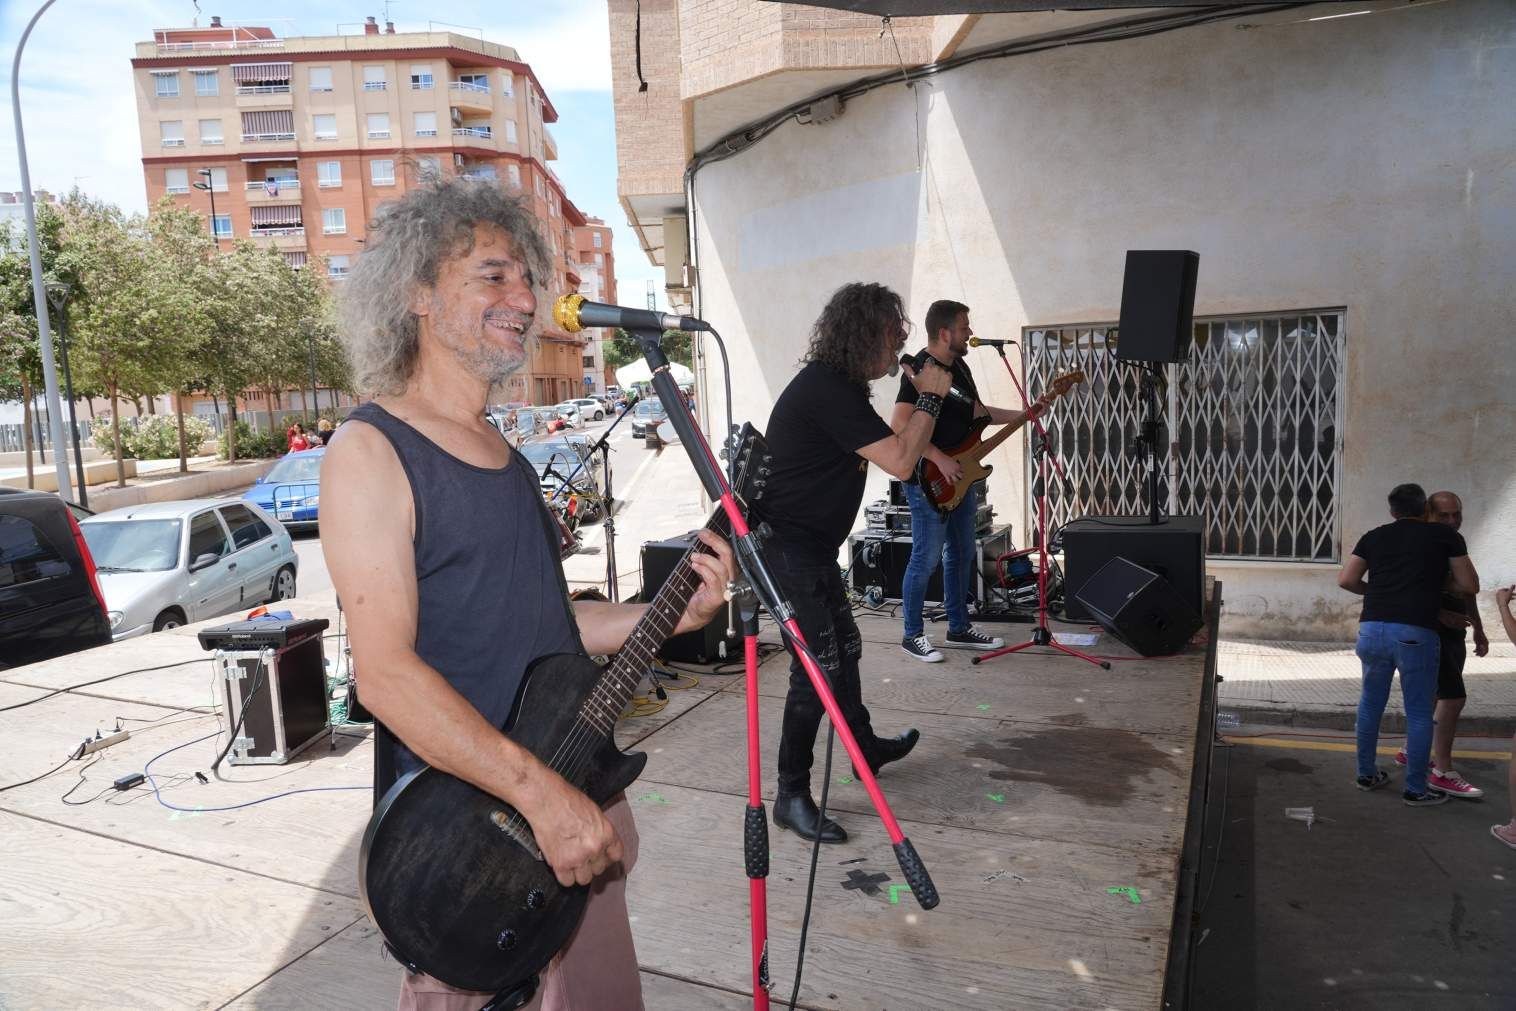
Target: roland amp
<point x="706" y="645"/>
<point x="1174" y="549"/>
<point x="877" y="561"/>
<point x="1140" y="608"/>
<point x="271" y="676"/>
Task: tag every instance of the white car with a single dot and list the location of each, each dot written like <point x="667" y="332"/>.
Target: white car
<point x="166" y="564"/>
<point x="592" y="409"/>
<point x="570" y="412"/>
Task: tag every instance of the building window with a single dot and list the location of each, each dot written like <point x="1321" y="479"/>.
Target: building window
<point x="426" y="124"/>
<point x="218" y="180"/>
<point x="514" y="172"/>
<point x="176" y="180"/>
<point x="210" y="132"/>
<point x="268" y="125"/>
<point x="378" y="125"/>
<point x="166" y="83"/>
<point x="223" y="223"/>
<point x="333" y="221"/>
<point x="207" y="83"/>
<point x="1255" y="414"/>
<point x="324" y="126"/>
<point x="428" y="167"/>
<point x="373" y="79"/>
<point x="294" y="259"/>
<point x="328" y="174"/>
<point x="599" y="241"/>
<point x="507" y="84"/>
<point x="172" y="133"/>
<point x="421" y="77"/>
<point x="336" y="266"/>
<point x="599" y="257"/>
<point x="321" y="79"/>
<point x="589" y="361"/>
<point x="382" y="171"/>
<point x="510" y="131"/>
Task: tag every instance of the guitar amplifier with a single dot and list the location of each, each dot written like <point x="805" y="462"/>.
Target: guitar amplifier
<point x="705" y="645"/>
<point x="278" y="694"/>
<point x="885" y="517"/>
<point x="877" y="562"/>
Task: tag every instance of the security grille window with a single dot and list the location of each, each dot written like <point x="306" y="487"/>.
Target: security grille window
<point x="172" y="133"/>
<point x="268" y="125"/>
<point x="166" y="83"/>
<point x="328" y="174"/>
<point x="1255" y="416"/>
<point x="324" y="126"/>
<point x="207" y="83"/>
<point x="176" y="180"/>
<point x="210" y="132"/>
<point x="426" y="124"/>
<point x="382" y="172"/>
<point x="321" y="79"/>
<point x="333" y="221"/>
<point x="378" y="125"/>
<point x="421" y="77"/>
<point x="373" y="79"/>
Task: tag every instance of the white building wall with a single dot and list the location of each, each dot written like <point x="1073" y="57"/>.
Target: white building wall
<point x="1361" y="162"/>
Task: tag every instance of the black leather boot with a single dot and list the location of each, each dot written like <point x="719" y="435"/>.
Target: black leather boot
<point x="890" y="749"/>
<point x="799" y="813"/>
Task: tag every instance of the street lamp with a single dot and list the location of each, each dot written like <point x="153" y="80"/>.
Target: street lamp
<point x="208" y="187"/>
<point x="57" y="297"/>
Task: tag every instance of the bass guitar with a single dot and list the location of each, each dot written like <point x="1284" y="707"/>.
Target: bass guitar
<point x="946" y="495"/>
<point x="452" y="875"/>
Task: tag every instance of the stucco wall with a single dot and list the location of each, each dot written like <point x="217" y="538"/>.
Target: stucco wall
<point x="1363" y="162"/>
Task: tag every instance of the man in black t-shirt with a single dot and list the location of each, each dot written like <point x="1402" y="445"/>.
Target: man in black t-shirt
<point x="1407" y="563"/>
<point x="822" y="435"/>
<point x="937" y="538"/>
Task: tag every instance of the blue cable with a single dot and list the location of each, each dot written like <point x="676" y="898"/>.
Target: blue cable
<point x="146" y="771"/>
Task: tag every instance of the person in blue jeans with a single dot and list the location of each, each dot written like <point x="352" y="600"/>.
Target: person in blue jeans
<point x="1400" y="570"/>
<point x="935" y="537"/>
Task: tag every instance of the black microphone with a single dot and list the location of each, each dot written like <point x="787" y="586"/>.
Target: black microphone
<point x="989" y="342"/>
<point x="573" y="313"/>
<point x="953" y="391"/>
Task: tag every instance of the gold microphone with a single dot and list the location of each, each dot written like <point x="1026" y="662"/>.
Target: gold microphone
<point x="988" y="342"/>
<point x="573" y="313"/>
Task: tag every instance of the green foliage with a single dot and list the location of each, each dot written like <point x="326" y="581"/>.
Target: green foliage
<point x="623" y="349"/>
<point x="251" y="444"/>
<point x="154" y="437"/>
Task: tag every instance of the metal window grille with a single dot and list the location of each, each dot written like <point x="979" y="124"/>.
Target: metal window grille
<point x="1254" y="420"/>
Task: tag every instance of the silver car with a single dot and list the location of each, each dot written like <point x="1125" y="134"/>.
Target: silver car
<point x="166" y="564"/>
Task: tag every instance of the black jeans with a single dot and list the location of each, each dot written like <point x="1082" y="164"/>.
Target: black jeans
<point x="813" y="586"/>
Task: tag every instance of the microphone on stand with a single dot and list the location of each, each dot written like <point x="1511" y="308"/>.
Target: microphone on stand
<point x="989" y="342"/>
<point x="573" y="313"/>
<point x="953" y="391"/>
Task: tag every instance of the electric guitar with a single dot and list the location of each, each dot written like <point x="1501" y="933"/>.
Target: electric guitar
<point x="946" y="495"/>
<point x="452" y="875"/>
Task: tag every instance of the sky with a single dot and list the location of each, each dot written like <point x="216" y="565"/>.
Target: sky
<point x="80" y="115"/>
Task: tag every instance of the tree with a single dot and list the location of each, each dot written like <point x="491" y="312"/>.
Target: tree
<point x="622" y="348"/>
<point x="20" y="354"/>
<point x="182" y="250"/>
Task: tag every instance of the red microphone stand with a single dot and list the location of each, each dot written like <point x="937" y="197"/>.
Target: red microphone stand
<point x="1042" y="635"/>
<point x="762" y="589"/>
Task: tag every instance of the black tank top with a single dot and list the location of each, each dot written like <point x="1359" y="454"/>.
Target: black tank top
<point x="491" y="597"/>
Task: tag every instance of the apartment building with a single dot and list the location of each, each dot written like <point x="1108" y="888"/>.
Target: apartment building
<point x="597" y="282"/>
<point x="296" y="142"/>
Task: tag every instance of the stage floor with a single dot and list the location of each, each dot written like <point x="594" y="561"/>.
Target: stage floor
<point x="1047" y="797"/>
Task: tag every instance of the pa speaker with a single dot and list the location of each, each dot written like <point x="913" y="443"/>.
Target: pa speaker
<point x="1174" y="548"/>
<point x="1140" y="608"/>
<point x="1157" y="305"/>
<point x="704" y="645"/>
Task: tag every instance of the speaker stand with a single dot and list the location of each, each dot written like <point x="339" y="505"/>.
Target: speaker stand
<point x="1042" y="635"/>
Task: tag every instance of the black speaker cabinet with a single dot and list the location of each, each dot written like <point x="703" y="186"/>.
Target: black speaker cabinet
<point x="279" y="695"/>
<point x="1140" y="608"/>
<point x="704" y="645"/>
<point x="878" y="560"/>
<point x="1157" y="305"/>
<point x="1175" y="549"/>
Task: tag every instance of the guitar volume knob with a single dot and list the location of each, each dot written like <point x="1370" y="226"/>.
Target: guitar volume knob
<point x="535" y="899"/>
<point x="507" y="940"/>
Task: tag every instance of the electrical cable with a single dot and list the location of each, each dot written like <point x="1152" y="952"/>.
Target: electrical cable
<point x="97" y="681"/>
<point x="231" y="738"/>
<point x="153" y="782"/>
<point x="76" y="754"/>
<point x="810" y="885"/>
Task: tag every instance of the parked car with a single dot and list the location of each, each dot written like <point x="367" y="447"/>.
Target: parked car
<point x="647" y="414"/>
<point x="50" y="600"/>
<point x="592" y="409"/>
<point x="570" y="412"/>
<point x="166" y="564"/>
<point x="538" y="421"/>
<point x="555" y="460"/>
<point x="291" y="490"/>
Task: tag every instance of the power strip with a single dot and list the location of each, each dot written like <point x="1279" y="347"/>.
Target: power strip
<point x="99" y="743"/>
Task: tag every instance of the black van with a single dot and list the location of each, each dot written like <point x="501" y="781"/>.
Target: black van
<point x="50" y="603"/>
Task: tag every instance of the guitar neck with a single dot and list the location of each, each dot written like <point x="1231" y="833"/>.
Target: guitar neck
<point x="979" y="451"/>
<point x="619" y="682"/>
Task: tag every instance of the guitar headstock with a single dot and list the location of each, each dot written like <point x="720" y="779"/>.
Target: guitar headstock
<point x="753" y="461"/>
<point x="1061" y="385"/>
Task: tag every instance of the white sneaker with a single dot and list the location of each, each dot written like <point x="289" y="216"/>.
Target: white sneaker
<point x="920" y="647"/>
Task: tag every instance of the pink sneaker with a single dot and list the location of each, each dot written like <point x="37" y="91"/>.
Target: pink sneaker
<point x="1453" y="785"/>
<point x="1400" y="758"/>
<point x="1505" y="833"/>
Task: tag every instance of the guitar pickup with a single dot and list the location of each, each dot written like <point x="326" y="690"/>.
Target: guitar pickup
<point x="515" y="826"/>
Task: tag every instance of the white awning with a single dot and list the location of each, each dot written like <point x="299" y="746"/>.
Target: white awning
<point x="276" y="216"/>
<point x="249" y="73"/>
<point x="269" y="121"/>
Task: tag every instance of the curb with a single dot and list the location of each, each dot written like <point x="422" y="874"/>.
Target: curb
<point x="1345" y="717"/>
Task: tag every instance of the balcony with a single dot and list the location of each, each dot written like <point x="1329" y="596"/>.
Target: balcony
<point x="289" y="238"/>
<point x="287" y="191"/>
<point x="375" y="85"/>
<point x="261" y="138"/>
<point x="481" y="135"/>
<point x="264" y="89"/>
<point x="265" y="96"/>
<point x="467" y="95"/>
<point x="549" y="145"/>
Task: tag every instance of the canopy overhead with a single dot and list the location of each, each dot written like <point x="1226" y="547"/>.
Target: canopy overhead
<point x="638" y="372"/>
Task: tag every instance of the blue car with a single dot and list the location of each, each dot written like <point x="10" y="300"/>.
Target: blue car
<point x="291" y="492"/>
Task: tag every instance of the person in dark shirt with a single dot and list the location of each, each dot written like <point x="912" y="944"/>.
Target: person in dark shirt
<point x="1406" y="563"/>
<point x="934" y="537"/>
<point x="1507" y="833"/>
<point x="1458" y="613"/>
<point x="822" y="435"/>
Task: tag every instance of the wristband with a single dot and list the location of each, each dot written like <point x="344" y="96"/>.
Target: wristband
<point x="929" y="403"/>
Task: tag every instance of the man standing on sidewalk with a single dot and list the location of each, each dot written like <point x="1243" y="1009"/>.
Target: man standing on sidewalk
<point x="1507" y="833"/>
<point x="1407" y="563"/>
<point x="1458" y="613"/>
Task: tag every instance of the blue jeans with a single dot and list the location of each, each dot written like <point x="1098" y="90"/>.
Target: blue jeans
<point x="935" y="538"/>
<point x="1385" y="647"/>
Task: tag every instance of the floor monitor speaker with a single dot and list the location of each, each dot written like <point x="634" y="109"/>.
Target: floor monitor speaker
<point x="1140" y="608"/>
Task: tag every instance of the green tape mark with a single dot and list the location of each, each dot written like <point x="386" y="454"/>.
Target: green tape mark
<point x="895" y="891"/>
<point x="1126" y="890"/>
<point x="998" y="798"/>
<point x="983" y="707"/>
<point x="656" y="798"/>
<point x="844" y="780"/>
